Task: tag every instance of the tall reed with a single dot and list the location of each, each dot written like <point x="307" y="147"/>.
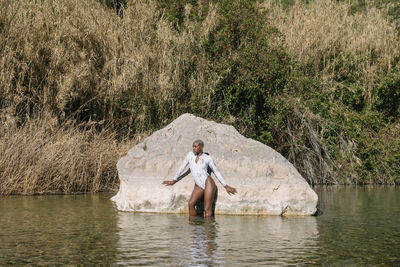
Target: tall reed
<point x="77" y="79"/>
<point x="41" y="157"/>
<point x="347" y="49"/>
<point x="79" y="60"/>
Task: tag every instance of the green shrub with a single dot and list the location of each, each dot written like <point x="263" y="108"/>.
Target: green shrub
<point x="388" y="96"/>
<point x="251" y="71"/>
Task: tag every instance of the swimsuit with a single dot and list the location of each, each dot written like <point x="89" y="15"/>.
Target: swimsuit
<point x="199" y="170"/>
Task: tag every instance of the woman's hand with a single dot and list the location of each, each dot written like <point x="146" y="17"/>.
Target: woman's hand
<point x="230" y="190"/>
<point x="169" y="182"/>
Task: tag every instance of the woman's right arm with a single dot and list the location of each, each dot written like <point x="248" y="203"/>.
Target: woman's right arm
<point x="180" y="170"/>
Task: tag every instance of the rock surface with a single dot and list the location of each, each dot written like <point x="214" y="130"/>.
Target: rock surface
<point x="267" y="183"/>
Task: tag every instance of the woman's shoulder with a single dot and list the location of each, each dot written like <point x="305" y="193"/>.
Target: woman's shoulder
<point x="190" y="154"/>
<point x="206" y="155"/>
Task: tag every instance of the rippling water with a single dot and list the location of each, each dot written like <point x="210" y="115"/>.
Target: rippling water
<point x="359" y="226"/>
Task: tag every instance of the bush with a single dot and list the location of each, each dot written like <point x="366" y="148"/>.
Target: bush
<point x="250" y="70"/>
<point x="388" y="96"/>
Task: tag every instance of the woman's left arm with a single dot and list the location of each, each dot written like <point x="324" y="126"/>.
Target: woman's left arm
<point x="229" y="189"/>
<point x="216" y="172"/>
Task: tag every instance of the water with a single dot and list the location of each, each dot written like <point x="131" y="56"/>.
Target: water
<point x="359" y="226"/>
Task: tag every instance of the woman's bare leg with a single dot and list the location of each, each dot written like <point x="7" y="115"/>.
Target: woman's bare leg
<point x="209" y="193"/>
<point x="196" y="195"/>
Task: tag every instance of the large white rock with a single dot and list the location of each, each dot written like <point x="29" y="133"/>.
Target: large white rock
<point x="267" y="183"/>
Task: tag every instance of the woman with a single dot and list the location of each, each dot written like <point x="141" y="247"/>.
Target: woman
<point x="199" y="163"/>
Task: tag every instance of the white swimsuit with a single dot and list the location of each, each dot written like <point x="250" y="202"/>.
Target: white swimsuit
<point x="199" y="169"/>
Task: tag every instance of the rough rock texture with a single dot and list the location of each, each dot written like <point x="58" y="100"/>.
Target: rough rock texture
<point x="267" y="183"/>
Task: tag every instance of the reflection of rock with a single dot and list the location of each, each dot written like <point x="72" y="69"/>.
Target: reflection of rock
<point x="269" y="241"/>
<point x="267" y="183"/>
<point x="172" y="240"/>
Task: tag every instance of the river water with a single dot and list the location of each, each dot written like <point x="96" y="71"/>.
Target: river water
<point x="359" y="226"/>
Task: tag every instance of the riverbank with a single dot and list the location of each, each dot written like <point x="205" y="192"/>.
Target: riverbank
<point x="81" y="84"/>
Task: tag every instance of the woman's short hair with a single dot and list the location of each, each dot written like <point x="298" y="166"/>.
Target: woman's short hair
<point x="199" y="142"/>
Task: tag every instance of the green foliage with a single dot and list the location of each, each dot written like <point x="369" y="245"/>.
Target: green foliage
<point x="175" y="10"/>
<point x="388" y="96"/>
<point x="251" y="70"/>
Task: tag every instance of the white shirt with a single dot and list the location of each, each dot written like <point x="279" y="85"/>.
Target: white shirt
<point x="199" y="169"/>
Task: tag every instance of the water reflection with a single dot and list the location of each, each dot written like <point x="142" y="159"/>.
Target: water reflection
<point x="270" y="240"/>
<point x="203" y="245"/>
<point x="359" y="227"/>
<point x="166" y="239"/>
<point x="148" y="239"/>
<point x="49" y="230"/>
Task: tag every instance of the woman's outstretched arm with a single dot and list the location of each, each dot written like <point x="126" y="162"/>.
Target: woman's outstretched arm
<point x="177" y="176"/>
<point x="228" y="188"/>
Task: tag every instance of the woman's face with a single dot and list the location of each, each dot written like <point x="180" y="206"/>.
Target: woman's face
<point x="197" y="148"/>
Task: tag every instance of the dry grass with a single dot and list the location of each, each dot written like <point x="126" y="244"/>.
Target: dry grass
<point x="78" y="59"/>
<point x="326" y="35"/>
<point x="41" y="157"/>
